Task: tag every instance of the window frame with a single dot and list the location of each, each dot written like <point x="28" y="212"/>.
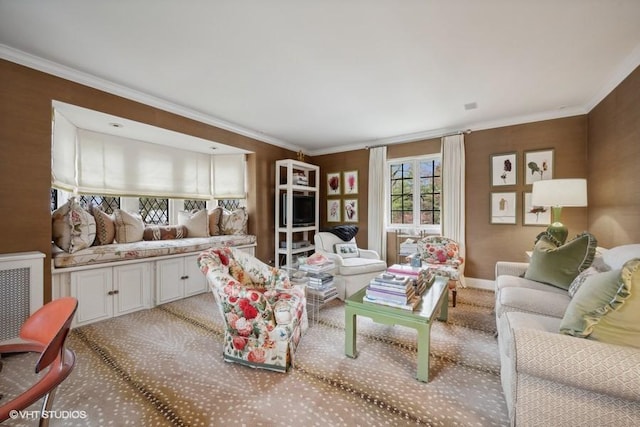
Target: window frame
<point x="415" y="227"/>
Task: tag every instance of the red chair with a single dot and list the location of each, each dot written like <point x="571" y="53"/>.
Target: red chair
<point x="44" y="332"/>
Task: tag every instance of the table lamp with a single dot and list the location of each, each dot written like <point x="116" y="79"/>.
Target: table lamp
<point x="559" y="193"/>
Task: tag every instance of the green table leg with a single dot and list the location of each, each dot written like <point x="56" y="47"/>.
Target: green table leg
<point x="350" y="335"/>
<point x="444" y="307"/>
<point x="424" y="339"/>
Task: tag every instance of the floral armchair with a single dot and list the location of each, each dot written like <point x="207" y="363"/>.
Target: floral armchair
<point x="442" y="256"/>
<point x="264" y="314"/>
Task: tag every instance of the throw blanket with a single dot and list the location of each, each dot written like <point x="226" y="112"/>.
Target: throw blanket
<point x="345" y="232"/>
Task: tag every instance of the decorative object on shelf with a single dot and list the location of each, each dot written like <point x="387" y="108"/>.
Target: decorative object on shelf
<point x="333" y="184"/>
<point x="334" y="208"/>
<point x="556" y="194"/>
<point x="350" y="182"/>
<point x="503" y="208"/>
<point x="534" y="214"/>
<point x="503" y="169"/>
<point x="351" y="210"/>
<point x="300" y="156"/>
<point x="538" y="166"/>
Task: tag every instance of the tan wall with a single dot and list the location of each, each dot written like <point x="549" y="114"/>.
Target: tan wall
<point x="614" y="157"/>
<point x="488" y="243"/>
<point x="357" y="160"/>
<point x="25" y="165"/>
<point x="614" y="195"/>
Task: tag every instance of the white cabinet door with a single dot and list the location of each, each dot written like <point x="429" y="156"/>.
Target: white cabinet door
<point x="195" y="282"/>
<point x="94" y="291"/>
<point x="169" y="280"/>
<point x="132" y="286"/>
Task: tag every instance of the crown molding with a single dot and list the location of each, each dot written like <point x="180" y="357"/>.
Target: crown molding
<point x="622" y="72"/>
<point x="438" y="133"/>
<point x="86" y="79"/>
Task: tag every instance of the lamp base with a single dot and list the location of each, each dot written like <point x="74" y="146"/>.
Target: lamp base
<point x="559" y="231"/>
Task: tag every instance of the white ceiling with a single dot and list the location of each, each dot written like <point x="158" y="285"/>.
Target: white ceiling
<point x="327" y="75"/>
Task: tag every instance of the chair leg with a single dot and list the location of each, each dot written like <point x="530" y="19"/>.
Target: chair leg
<point x="47" y="403"/>
<point x="454" y="293"/>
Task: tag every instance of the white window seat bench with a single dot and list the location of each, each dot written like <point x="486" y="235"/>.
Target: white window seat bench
<point x="116" y="279"/>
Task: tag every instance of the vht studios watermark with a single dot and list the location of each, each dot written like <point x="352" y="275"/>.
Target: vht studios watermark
<point x="58" y="415"/>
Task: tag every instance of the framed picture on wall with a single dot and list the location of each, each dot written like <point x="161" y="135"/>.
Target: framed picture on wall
<point x="350" y="182"/>
<point x="503" y="208"/>
<point x="538" y="165"/>
<point x="534" y="215"/>
<point x="350" y="210"/>
<point x="504" y="169"/>
<point x="334" y="208"/>
<point x="333" y="184"/>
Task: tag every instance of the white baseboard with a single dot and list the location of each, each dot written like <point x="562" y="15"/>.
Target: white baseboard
<point x="479" y="283"/>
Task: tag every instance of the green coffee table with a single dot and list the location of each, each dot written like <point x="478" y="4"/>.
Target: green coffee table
<point x="437" y="296"/>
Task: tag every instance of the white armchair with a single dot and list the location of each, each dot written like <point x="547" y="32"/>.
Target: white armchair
<point x="355" y="267"/>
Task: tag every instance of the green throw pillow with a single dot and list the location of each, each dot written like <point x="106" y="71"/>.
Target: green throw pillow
<point x="607" y="307"/>
<point x="558" y="265"/>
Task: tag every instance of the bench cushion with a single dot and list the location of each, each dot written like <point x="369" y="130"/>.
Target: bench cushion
<point x="143" y="249"/>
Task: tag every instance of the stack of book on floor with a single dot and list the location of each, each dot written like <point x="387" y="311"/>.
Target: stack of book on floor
<point x="320" y="287"/>
<point x="318" y="268"/>
<point x="394" y="290"/>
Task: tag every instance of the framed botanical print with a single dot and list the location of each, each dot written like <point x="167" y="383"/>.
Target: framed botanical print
<point x="350" y="210"/>
<point x="333" y="184"/>
<point x="503" y="208"/>
<point x="504" y="169"/>
<point x="534" y="215"/>
<point x="334" y="208"/>
<point x="350" y="182"/>
<point x="538" y="165"/>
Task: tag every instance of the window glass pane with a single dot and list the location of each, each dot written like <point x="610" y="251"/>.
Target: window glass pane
<point x="53" y="199"/>
<point x="229" y="204"/>
<point x="154" y="211"/>
<point x="190" y="205"/>
<point x="415" y="187"/>
<point x="106" y="203"/>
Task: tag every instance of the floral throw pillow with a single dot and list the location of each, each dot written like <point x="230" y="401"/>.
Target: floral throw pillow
<point x="234" y="222"/>
<point x="73" y="227"/>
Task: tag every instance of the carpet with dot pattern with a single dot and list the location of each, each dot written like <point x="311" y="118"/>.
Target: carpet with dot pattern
<point x="164" y="367"/>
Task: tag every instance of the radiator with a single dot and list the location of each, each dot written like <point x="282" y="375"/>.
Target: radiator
<point x="21" y="293"/>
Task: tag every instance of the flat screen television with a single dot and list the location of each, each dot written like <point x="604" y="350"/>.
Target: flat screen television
<point x="304" y="210"/>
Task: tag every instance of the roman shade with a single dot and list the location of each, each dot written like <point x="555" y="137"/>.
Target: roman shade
<point x="89" y="162"/>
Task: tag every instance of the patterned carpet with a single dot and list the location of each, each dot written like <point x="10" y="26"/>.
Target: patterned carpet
<point x="164" y="367"/>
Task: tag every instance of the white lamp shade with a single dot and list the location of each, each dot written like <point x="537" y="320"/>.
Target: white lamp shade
<point x="560" y="192"/>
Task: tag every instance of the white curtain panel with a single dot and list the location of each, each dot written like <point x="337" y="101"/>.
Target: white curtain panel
<point x="377" y="235"/>
<point x="453" y="192"/>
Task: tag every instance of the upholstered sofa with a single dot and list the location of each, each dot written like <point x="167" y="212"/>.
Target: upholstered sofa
<point x="571" y="356"/>
<point x="264" y="313"/>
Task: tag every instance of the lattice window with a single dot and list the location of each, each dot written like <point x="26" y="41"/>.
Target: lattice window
<point x="190" y="205"/>
<point x="229" y="204"/>
<point x="154" y="211"/>
<point x="415" y="189"/>
<point x="107" y="203"/>
<point x="53" y="199"/>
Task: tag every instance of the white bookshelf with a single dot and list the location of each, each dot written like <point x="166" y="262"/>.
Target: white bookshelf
<point x="287" y="183"/>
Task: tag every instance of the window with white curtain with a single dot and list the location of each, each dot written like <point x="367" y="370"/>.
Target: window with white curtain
<point x="415" y="186"/>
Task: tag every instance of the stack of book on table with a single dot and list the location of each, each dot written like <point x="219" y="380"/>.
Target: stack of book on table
<point x="423" y="277"/>
<point x="401" y="286"/>
<point x="392" y="290"/>
<point x="320" y="287"/>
